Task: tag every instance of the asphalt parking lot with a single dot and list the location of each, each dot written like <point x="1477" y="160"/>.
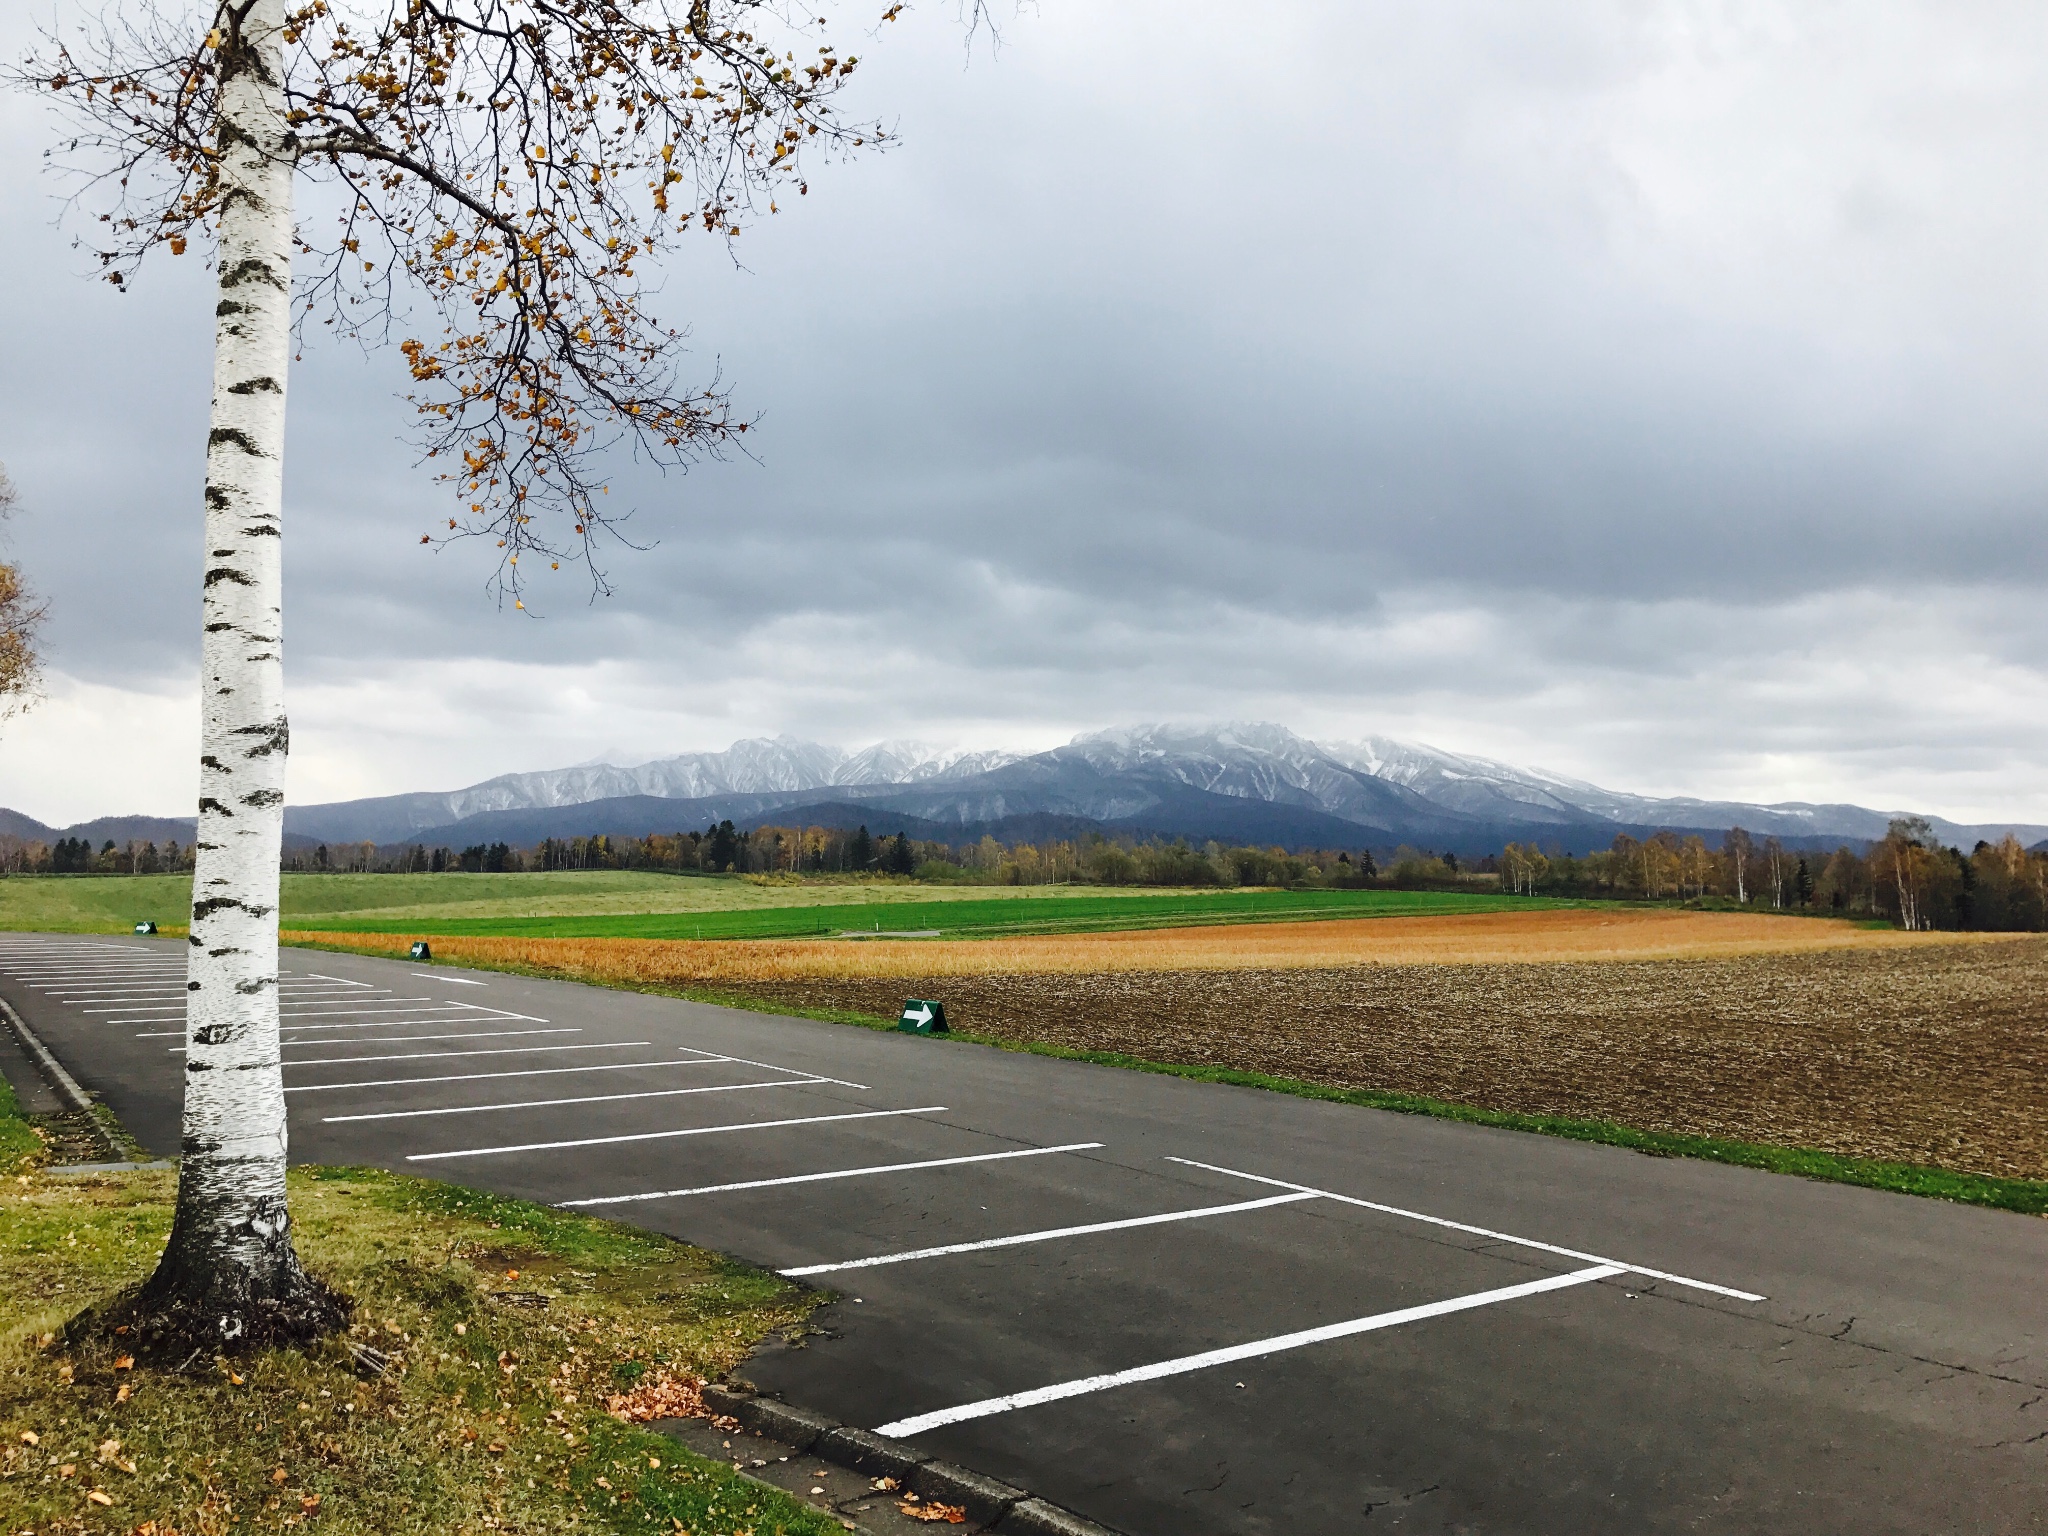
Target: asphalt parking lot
<point x="1180" y="1307"/>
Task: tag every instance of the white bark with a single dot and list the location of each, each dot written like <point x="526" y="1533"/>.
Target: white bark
<point x="231" y="1244"/>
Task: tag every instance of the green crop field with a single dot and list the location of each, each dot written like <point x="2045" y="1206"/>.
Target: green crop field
<point x="638" y="904"/>
<point x="972" y="914"/>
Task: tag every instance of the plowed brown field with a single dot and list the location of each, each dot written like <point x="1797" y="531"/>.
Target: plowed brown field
<point x="1924" y="1048"/>
<point x="1932" y="1054"/>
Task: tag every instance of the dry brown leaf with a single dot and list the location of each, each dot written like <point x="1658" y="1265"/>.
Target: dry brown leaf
<point x="96" y="1497"/>
<point x="661" y="1397"/>
<point x="951" y="1514"/>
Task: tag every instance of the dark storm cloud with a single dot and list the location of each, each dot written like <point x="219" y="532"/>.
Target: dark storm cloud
<point x="1371" y="365"/>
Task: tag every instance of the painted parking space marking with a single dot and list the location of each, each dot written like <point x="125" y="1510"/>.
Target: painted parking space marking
<point x="459" y="981"/>
<point x="695" y="1130"/>
<point x="467" y="1034"/>
<point x="478" y="1077"/>
<point x="594" y="1098"/>
<point x="402" y="1023"/>
<point x="496" y="1050"/>
<point x="1501" y="1237"/>
<point x="918" y="1424"/>
<point x="1050" y="1234"/>
<point x="831" y="1174"/>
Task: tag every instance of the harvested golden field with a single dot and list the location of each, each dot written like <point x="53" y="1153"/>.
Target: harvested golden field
<point x="1922" y="1053"/>
<point x="1493" y="938"/>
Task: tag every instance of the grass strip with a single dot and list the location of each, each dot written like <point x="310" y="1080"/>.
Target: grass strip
<point x="511" y="1327"/>
<point x="19" y="1144"/>
<point x="2026" y="1196"/>
<point x="963" y="919"/>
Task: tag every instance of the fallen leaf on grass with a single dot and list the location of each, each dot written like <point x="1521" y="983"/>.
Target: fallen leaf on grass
<point x="665" y="1397"/>
<point x="279" y="1476"/>
<point x="121" y="1396"/>
<point x="30" y="1437"/>
<point x="951" y="1514"/>
<point x="127" y="1363"/>
<point x="96" y="1497"/>
<point x="309" y="1503"/>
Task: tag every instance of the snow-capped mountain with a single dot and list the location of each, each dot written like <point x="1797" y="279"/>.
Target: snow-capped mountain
<point x="1245" y="781"/>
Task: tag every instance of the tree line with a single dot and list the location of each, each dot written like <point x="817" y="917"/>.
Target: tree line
<point x="1908" y="877"/>
<point x="77" y="856"/>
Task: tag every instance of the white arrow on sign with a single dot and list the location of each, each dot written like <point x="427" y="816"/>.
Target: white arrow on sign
<point x="922" y="1015"/>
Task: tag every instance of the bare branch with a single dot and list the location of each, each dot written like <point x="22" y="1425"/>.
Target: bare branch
<point x="505" y="168"/>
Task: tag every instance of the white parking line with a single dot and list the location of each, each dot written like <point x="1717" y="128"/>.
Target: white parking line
<point x="460" y="981"/>
<point x="698" y="1130"/>
<point x="478" y="1077"/>
<point x="594" y="1098"/>
<point x="1459" y="1226"/>
<point x="468" y="1034"/>
<point x="1048" y="1235"/>
<point x="396" y="1005"/>
<point x="287" y="1024"/>
<point x="836" y="1173"/>
<point x="770" y="1066"/>
<point x="496" y="1050"/>
<point x="988" y="1406"/>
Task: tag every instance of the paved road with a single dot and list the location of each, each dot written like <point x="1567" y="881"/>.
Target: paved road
<point x="1178" y="1307"/>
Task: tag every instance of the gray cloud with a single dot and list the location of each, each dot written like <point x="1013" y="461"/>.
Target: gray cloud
<point x="1648" y="391"/>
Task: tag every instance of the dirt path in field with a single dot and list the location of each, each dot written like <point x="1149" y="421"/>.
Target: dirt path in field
<point x="1930" y="1053"/>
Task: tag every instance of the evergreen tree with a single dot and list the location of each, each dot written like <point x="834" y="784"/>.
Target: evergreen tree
<point x="860" y="853"/>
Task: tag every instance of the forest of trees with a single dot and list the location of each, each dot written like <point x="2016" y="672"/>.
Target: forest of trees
<point x="1907" y="878"/>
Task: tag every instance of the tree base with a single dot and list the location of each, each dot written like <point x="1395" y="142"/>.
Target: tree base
<point x="171" y="1326"/>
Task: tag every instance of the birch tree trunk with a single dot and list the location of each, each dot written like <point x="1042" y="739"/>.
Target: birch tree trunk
<point x="230" y="1278"/>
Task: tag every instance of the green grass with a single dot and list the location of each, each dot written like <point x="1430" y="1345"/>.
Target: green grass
<point x="93" y="903"/>
<point x="114" y="903"/>
<point x="980" y="916"/>
<point x="19" y="1145"/>
<point x="494" y="1417"/>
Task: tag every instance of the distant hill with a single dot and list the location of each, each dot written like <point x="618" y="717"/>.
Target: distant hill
<point x="1243" y="783"/>
<point x="119" y="829"/>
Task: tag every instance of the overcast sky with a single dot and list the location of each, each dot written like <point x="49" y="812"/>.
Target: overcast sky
<point x="1650" y="392"/>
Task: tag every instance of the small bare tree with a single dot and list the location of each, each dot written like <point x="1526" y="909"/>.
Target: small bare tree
<point x="20" y="616"/>
<point x="501" y="172"/>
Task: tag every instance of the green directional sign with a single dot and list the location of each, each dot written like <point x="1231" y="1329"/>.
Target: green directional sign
<point x="422" y="950"/>
<point x="145" y="926"/>
<point x="922" y="1016"/>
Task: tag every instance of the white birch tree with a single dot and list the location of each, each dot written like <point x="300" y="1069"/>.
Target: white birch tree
<point x="498" y="167"/>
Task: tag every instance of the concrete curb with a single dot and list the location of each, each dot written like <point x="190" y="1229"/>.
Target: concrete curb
<point x="994" y="1505"/>
<point x="53" y="1069"/>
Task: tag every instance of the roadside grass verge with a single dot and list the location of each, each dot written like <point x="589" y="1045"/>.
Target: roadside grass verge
<point x="510" y="1327"/>
<point x="2025" y="1196"/>
<point x="20" y="1146"/>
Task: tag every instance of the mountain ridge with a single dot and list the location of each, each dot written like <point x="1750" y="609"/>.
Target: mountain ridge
<point x="1245" y="781"/>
